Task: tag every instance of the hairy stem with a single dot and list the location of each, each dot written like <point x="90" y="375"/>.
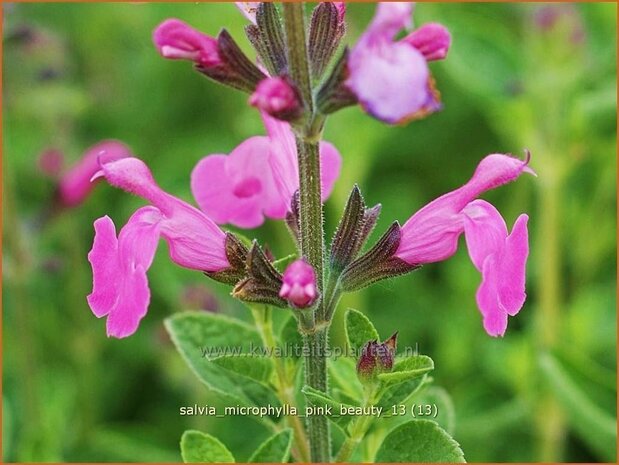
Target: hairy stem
<point x="311" y="222"/>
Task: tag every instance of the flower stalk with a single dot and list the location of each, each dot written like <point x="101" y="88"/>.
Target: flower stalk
<point x="311" y="232"/>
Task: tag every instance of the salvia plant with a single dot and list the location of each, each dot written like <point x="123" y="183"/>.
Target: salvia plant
<point x="301" y="75"/>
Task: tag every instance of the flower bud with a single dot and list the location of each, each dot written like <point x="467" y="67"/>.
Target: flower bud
<point x="376" y="357"/>
<point x="299" y="284"/>
<point x="176" y="40"/>
<point x="432" y="40"/>
<point x="277" y="97"/>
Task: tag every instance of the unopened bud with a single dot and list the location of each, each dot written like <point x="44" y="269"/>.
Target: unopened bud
<point x="376" y="357"/>
<point x="277" y="97"/>
<point x="432" y="40"/>
<point x="299" y="284"/>
<point x="177" y="40"/>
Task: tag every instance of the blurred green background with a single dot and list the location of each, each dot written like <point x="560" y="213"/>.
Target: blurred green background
<point x="518" y="76"/>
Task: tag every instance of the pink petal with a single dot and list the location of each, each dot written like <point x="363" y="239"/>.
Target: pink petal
<point x="75" y="185"/>
<point x="211" y="188"/>
<point x="214" y="192"/>
<point x="389" y="19"/>
<point x="330" y="165"/>
<point x="251" y="164"/>
<point x="106" y="269"/>
<point x="283" y="160"/>
<point x="237" y="188"/>
<point x="494" y="316"/>
<point x="390" y="80"/>
<point x="139" y="238"/>
<point x="484" y="230"/>
<point x="513" y="267"/>
<point x="132" y="304"/>
<point x="432" y="40"/>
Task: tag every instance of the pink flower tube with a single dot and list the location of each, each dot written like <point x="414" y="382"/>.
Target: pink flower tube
<point x="432" y="234"/>
<point x="119" y="264"/>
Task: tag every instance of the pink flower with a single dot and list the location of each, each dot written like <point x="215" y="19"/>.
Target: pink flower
<point x="501" y="258"/>
<point x="299" y="284"/>
<point x="277" y="97"/>
<point x="120" y="286"/>
<point x="75" y="185"/>
<point x="391" y="78"/>
<point x="177" y="40"/>
<point x="258" y="178"/>
<point x="50" y="162"/>
<point x="432" y="234"/>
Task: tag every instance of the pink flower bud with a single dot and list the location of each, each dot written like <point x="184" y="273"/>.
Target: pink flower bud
<point x="299" y="284"/>
<point x="277" y="97"/>
<point x="176" y="40"/>
<point x="341" y="10"/>
<point x="432" y="40"/>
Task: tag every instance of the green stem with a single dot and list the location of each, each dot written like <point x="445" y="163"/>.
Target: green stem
<point x="264" y="323"/>
<point x="311" y="222"/>
<point x="358" y="430"/>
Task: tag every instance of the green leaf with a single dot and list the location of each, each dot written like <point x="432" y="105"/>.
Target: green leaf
<point x="408" y="368"/>
<point x="343" y="372"/>
<point x="197" y="447"/>
<point x="276" y="449"/>
<point x="193" y="332"/>
<point x="398" y="393"/>
<point x="446" y="416"/>
<point x="320" y="399"/>
<point x="359" y="330"/>
<point x="592" y="424"/>
<point x="421" y="441"/>
<point x="255" y="367"/>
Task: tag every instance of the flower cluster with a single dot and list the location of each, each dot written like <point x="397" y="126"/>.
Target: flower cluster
<point x="390" y="78"/>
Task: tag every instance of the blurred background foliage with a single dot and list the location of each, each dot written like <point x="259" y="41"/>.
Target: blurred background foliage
<point x="541" y="77"/>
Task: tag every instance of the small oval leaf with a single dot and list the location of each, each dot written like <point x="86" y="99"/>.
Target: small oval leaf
<point x="359" y="330"/>
<point x="421" y="441"/>
<point x="198" y="447"/>
<point x="276" y="449"/>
